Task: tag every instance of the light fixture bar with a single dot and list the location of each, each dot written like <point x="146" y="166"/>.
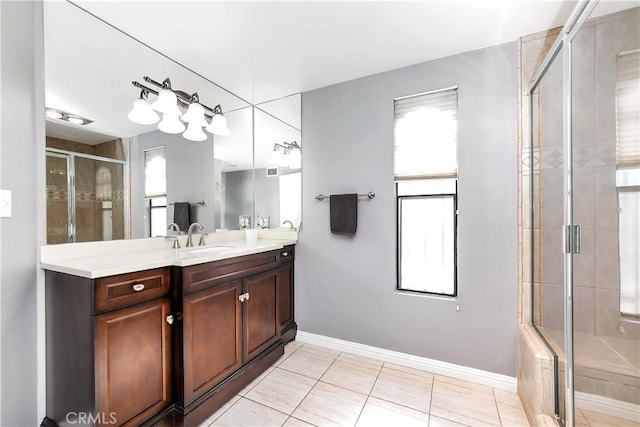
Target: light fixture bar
<point x="55" y="114"/>
<point x="183" y="98"/>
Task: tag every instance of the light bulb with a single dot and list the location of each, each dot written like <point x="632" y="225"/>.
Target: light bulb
<point x="75" y="120"/>
<point x="195" y="115"/>
<point x="171" y="124"/>
<point x="142" y="113"/>
<point x="218" y="125"/>
<point x="167" y="103"/>
<point x="194" y="133"/>
<point x="53" y="114"/>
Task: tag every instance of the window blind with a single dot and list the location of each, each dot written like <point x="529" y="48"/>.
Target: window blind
<point x="628" y="109"/>
<point x="155" y="173"/>
<point x="426" y="135"/>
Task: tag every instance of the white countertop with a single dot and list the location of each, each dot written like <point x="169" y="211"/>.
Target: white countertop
<point x="100" y="259"/>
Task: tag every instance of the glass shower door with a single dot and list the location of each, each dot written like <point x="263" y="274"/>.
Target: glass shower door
<point x="58" y="193"/>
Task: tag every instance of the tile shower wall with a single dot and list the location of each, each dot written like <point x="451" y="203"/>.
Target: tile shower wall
<point x="99" y="187"/>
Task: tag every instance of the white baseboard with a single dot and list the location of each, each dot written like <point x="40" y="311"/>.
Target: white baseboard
<point x="605" y="405"/>
<point x="478" y="376"/>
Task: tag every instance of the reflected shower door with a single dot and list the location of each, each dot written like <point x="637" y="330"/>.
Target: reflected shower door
<point x="58" y="189"/>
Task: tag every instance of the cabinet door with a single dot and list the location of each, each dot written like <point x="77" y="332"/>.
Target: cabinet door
<point x="212" y="337"/>
<point x="133" y="363"/>
<point x="285" y="296"/>
<point x="260" y="313"/>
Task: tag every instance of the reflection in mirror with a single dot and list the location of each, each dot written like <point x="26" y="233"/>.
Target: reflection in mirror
<point x="89" y="67"/>
<point x="278" y="172"/>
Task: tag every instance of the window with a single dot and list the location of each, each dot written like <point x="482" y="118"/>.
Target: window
<point x="426" y="171"/>
<point x="155" y="190"/>
<point x="628" y="179"/>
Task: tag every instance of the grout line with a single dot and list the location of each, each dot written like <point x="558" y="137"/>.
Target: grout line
<point x="615" y="351"/>
<point x="495" y="401"/>
<point x="433" y="385"/>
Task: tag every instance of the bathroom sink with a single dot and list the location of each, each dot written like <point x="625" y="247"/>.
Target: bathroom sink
<point x="198" y="252"/>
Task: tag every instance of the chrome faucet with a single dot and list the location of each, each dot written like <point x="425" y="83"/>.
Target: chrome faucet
<point x="173" y="226"/>
<point x="291" y="227"/>
<point x="193" y="226"/>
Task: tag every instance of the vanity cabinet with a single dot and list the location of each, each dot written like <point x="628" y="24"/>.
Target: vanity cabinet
<point x="166" y="346"/>
<point x="285" y="296"/>
<point x="109" y="348"/>
<point x="229" y="318"/>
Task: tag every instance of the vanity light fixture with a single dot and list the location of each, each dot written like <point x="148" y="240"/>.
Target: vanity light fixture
<point x="75" y="119"/>
<point x="142" y="112"/>
<point x="287" y="154"/>
<point x="169" y="103"/>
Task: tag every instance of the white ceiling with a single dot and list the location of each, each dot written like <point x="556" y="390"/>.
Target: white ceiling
<point x="259" y="50"/>
<point x="263" y="50"/>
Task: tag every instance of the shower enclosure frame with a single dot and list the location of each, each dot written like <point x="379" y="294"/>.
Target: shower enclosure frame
<point x="571" y="231"/>
<point x="70" y="157"/>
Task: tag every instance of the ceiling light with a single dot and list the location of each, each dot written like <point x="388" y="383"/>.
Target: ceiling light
<point x="52" y="113"/>
<point x="142" y="112"/>
<point x="171" y="124"/>
<point x="168" y="102"/>
<point x="194" y="133"/>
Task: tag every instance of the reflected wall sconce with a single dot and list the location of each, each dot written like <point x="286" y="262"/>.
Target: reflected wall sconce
<point x="170" y="103"/>
<point x="52" y="113"/>
<point x="287" y="154"/>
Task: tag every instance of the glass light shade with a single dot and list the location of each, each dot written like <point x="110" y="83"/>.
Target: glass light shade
<point x="274" y="159"/>
<point x="295" y="158"/>
<point x="167" y="103"/>
<point x="284" y="159"/>
<point x="195" y="115"/>
<point x="171" y="124"/>
<point x="218" y="125"/>
<point x="194" y="133"/>
<point x="142" y="113"/>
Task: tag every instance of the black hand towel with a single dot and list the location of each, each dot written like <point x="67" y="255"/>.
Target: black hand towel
<point x="343" y="210"/>
<point x="181" y="215"/>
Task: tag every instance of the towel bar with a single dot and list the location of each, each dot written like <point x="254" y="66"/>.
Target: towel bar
<point x="201" y="202"/>
<point x="370" y="195"/>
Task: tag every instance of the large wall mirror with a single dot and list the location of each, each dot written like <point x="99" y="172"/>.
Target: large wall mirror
<point x="110" y="178"/>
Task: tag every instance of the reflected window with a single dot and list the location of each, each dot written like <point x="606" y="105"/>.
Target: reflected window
<point x="628" y="179"/>
<point x="155" y="190"/>
<point x="426" y="170"/>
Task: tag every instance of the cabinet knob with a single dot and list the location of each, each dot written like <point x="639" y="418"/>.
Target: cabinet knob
<point x="170" y="319"/>
<point x="246" y="296"/>
<point x="138" y="287"/>
<point x="241" y="297"/>
<point x="285" y="253"/>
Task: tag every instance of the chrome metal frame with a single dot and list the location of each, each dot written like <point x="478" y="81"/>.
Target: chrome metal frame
<point x="564" y="40"/>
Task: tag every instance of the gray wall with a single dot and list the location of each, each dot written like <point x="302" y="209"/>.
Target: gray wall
<point x="190" y="177"/>
<point x="345" y="286"/>
<point x="238" y="197"/>
<point x="21" y="145"/>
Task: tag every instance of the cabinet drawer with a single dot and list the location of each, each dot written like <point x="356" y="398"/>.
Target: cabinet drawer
<point x="203" y="276"/>
<point x="126" y="289"/>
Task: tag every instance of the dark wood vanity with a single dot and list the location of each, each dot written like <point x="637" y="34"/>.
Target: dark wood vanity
<point x="166" y="346"/>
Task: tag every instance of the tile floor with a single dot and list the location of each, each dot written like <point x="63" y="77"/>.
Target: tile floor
<point x="314" y="386"/>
